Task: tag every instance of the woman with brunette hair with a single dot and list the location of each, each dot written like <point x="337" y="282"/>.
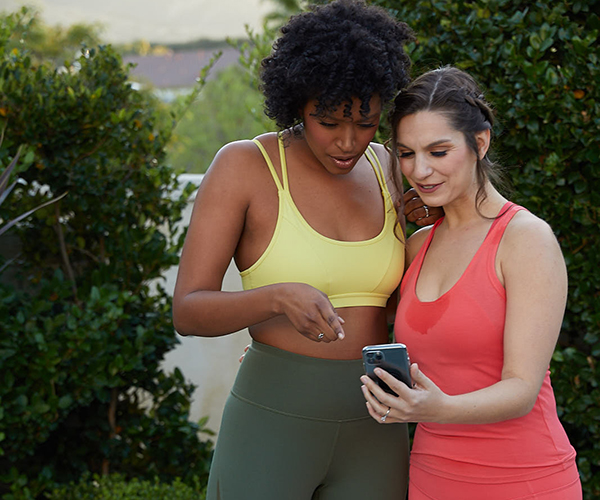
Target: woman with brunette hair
<point x="481" y="307"/>
<point x="311" y="223"/>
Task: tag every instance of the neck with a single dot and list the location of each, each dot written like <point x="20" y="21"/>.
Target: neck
<point x="465" y="212"/>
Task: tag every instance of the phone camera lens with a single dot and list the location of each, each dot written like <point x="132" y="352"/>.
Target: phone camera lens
<point x="378" y="356"/>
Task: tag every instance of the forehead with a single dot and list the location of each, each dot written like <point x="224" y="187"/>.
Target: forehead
<point x="426" y="127"/>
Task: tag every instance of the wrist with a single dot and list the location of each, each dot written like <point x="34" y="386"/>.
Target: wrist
<point x="277" y="297"/>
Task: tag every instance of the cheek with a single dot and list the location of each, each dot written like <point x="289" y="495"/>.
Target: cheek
<point x="405" y="167"/>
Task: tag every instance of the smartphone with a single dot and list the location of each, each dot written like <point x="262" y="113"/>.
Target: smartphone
<point x="393" y="358"/>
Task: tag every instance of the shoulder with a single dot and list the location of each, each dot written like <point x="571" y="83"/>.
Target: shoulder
<point x="385" y="159"/>
<point x="238" y="169"/>
<point x="529" y="245"/>
<point x="415" y="242"/>
<point x="527" y="231"/>
<point x="237" y="159"/>
<point x="383" y="155"/>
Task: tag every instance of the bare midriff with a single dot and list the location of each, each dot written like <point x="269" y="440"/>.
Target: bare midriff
<point x="363" y="326"/>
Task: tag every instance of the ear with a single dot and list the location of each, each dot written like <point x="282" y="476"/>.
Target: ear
<point x="483" y="142"/>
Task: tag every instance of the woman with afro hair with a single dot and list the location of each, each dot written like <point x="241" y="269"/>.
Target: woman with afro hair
<point x="308" y="217"/>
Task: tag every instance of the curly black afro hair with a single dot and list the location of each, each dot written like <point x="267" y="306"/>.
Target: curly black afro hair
<point x="333" y="53"/>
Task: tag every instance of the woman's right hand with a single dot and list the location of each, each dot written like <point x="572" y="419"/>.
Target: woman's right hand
<point x="311" y="312"/>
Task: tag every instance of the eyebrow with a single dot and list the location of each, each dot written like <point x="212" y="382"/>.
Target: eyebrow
<point x="433" y="144"/>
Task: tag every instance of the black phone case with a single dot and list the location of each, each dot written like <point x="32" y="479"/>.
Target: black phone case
<point x="393" y="358"/>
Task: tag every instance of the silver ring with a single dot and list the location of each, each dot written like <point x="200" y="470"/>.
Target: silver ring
<point x="386" y="414"/>
<point x="426" y="211"/>
<point x="321" y="335"/>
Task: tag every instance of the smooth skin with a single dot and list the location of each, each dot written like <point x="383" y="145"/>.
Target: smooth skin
<point x="441" y="168"/>
<point x="235" y="213"/>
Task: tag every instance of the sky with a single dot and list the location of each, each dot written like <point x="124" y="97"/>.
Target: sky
<point x="159" y="21"/>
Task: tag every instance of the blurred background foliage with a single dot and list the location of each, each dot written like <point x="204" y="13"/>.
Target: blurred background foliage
<point x="86" y="321"/>
<point x="85" y="330"/>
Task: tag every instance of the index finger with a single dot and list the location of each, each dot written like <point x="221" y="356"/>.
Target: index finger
<point x="399" y="387"/>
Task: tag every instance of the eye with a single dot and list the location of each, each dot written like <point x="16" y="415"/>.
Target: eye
<point x="405" y="154"/>
<point x="367" y="125"/>
<point x="438" y="153"/>
<point x="327" y="124"/>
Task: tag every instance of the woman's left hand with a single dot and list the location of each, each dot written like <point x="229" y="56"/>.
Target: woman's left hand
<point x="423" y="403"/>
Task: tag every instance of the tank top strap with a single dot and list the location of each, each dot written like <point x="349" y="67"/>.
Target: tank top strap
<point x="262" y="149"/>
<point x="415" y="266"/>
<point x="505" y="215"/>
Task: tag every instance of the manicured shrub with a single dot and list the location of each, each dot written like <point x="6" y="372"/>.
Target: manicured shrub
<point x="85" y="318"/>
<point x="116" y="487"/>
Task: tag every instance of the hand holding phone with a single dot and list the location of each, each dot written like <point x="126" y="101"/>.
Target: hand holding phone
<point x="393" y="358"/>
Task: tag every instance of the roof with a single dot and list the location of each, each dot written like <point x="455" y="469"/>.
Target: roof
<point x="178" y="69"/>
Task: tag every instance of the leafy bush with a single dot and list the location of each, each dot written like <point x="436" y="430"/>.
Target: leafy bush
<point x="116" y="487"/>
<point x="539" y="62"/>
<point x="85" y="319"/>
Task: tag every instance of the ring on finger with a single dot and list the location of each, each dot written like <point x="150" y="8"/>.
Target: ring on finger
<point x="320" y="336"/>
<point x="426" y="211"/>
<point x="383" y="417"/>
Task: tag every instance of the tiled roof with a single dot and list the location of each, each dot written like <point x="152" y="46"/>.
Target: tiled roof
<point x="178" y="69"/>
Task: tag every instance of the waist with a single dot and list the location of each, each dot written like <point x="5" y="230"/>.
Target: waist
<point x="301" y="386"/>
<point x="523" y="448"/>
<point x="362" y="326"/>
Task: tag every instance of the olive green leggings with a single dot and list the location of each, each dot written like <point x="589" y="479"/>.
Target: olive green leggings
<point x="296" y="428"/>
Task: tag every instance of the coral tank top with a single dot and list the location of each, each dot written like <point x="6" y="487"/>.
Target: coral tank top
<point x="457" y="340"/>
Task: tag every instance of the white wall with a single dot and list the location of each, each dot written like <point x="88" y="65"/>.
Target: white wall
<point x="210" y="363"/>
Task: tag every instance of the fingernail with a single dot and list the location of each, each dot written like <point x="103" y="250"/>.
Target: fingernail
<point x="364" y="379"/>
<point x="341" y="335"/>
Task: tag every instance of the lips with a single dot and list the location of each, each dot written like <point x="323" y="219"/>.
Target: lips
<point x="344" y="161"/>
<point x="428" y="188"/>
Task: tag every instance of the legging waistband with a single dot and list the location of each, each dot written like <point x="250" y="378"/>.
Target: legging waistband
<point x="301" y="386"/>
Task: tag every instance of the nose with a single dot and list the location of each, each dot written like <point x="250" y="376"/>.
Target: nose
<point x="346" y="139"/>
<point x="422" y="169"/>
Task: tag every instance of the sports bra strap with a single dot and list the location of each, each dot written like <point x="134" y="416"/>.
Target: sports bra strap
<point x="284" y="173"/>
<point x="272" y="168"/>
<point x="377" y="168"/>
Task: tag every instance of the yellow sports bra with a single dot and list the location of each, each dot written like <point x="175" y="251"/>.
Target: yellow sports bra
<point x="350" y="273"/>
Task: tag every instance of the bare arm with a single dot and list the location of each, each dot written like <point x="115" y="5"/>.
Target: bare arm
<point x="216" y="228"/>
<point x="534" y="274"/>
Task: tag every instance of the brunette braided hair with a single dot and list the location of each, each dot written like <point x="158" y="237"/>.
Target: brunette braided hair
<point x="454" y="94"/>
<point x="333" y="53"/>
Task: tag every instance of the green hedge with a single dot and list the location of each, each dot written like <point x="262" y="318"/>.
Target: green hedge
<point x="86" y="321"/>
<point x="539" y="62"/>
<point x="116" y="487"/>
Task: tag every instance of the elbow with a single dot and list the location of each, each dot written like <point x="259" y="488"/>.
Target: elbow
<point x="179" y="325"/>
<point x="526" y="407"/>
<point x="181" y="322"/>
<point x="525" y="404"/>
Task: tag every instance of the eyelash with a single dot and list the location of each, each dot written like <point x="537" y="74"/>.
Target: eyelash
<point x="436" y="154"/>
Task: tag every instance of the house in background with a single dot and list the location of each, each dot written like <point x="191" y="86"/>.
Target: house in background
<point x="175" y="72"/>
